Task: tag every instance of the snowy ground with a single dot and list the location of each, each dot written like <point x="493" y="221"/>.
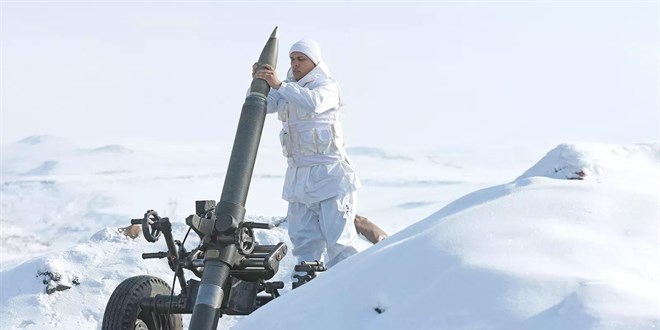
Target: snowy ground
<point x="482" y="239"/>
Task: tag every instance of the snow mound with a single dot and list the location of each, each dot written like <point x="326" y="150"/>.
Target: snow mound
<point x="587" y="161"/>
<point x="70" y="289"/>
<point x="537" y="253"/>
<point x="34" y="155"/>
<point x="41" y="217"/>
<point x="45" y="168"/>
<point x="113" y="148"/>
<point x="46" y="145"/>
<point x="45" y="140"/>
<point x="50" y="155"/>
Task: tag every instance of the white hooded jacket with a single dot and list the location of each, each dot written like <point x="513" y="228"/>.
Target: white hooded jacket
<point x="311" y="137"/>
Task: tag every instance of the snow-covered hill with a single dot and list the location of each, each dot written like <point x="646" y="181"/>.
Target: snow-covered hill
<point x="540" y="252"/>
<point x="536" y="253"/>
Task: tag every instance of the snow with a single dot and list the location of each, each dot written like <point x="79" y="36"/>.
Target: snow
<point x="536" y="253"/>
<point x="571" y="243"/>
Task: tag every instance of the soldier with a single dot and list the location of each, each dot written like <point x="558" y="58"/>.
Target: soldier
<point x="320" y="183"/>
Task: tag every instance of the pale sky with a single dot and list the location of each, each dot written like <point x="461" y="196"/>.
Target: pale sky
<point x="413" y="74"/>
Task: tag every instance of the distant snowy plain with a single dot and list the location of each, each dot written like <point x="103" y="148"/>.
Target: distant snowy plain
<point x="495" y="238"/>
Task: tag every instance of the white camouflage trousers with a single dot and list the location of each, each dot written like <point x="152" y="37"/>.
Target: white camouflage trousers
<point x="327" y="224"/>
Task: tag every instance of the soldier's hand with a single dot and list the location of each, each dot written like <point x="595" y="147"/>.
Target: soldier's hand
<point x="254" y="69"/>
<point x="268" y="74"/>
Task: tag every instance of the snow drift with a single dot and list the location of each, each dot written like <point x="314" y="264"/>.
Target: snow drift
<point x="69" y="290"/>
<point x="537" y="253"/>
